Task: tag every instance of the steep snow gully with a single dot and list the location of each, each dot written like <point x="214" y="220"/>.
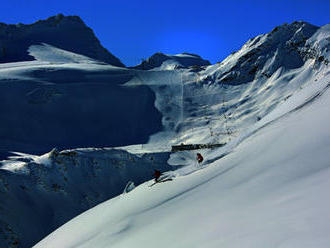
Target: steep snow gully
<point x="266" y="187"/>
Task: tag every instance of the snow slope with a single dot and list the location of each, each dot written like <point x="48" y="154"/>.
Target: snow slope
<point x="270" y="191"/>
<point x="51" y="54"/>
<point x="208" y="106"/>
<point x="261" y="102"/>
<point x="68" y="100"/>
<point x="47" y="191"/>
<point x="267" y="187"/>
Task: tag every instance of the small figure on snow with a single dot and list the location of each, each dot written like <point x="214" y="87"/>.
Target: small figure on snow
<point x="199" y="158"/>
<point x="157" y="174"/>
<point x="161" y="178"/>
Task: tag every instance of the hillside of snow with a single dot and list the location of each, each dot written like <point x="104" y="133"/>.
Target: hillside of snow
<point x="267" y="103"/>
<point x="67" y="100"/>
<point x="47" y="191"/>
<point x="270" y="191"/>
<point x="47" y="53"/>
<point x="266" y="188"/>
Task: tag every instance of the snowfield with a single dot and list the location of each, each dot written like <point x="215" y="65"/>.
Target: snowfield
<point x="271" y="191"/>
<point x="268" y="104"/>
<point x="267" y="187"/>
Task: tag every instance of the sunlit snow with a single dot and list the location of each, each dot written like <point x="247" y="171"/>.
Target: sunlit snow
<point x="267" y="187"/>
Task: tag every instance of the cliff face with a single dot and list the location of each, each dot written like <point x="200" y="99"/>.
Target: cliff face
<point x="66" y="32"/>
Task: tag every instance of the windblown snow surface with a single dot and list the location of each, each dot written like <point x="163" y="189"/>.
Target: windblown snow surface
<point x="267" y="187"/>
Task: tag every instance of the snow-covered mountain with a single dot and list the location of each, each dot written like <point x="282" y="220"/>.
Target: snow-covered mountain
<point x="67" y="100"/>
<point x="66" y="32"/>
<point x="170" y="62"/>
<point x="270" y="191"/>
<point x="266" y="187"/>
<point x="284" y="47"/>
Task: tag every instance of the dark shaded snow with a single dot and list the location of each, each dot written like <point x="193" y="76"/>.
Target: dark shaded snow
<point x="62" y="101"/>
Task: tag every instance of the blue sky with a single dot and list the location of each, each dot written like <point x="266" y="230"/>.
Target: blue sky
<point x="133" y="30"/>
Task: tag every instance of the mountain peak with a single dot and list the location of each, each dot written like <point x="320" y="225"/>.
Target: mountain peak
<point x="62" y="19"/>
<point x="293" y="26"/>
<point x="292" y="30"/>
<point x="64" y="32"/>
<point x="265" y="53"/>
<point x="165" y="61"/>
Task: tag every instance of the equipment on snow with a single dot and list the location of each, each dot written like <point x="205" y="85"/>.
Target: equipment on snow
<point x="162" y="180"/>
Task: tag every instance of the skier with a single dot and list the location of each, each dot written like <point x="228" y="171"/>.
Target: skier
<point x="199" y="158"/>
<point x="157" y="174"/>
<point x="159" y="179"/>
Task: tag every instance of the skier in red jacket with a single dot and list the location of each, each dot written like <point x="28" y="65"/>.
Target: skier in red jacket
<point x="199" y="158"/>
<point x="157" y="174"/>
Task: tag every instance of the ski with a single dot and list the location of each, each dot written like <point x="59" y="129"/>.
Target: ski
<point x="162" y="181"/>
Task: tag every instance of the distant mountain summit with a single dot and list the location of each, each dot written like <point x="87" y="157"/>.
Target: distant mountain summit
<point x="285" y="46"/>
<point x="164" y="61"/>
<point x="65" y="32"/>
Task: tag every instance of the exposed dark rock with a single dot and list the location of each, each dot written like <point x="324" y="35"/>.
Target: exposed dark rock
<point x="66" y="32"/>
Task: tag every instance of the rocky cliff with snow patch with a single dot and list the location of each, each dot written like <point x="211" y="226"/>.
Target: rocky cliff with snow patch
<point x="66" y="32"/>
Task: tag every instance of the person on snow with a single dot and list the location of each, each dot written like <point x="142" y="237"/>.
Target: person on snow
<point x="157" y="175"/>
<point x="199" y="158"/>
